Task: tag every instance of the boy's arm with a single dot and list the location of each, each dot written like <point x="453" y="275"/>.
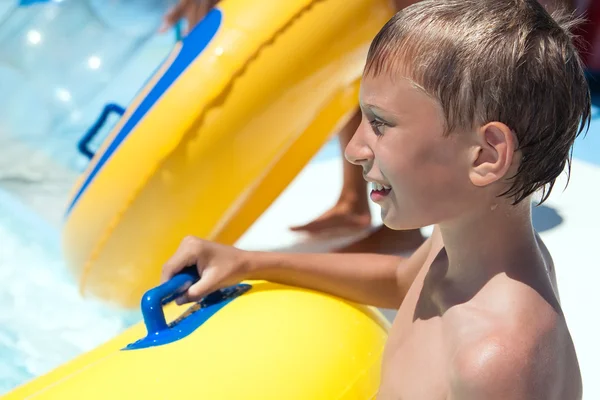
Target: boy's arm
<point x="373" y="279"/>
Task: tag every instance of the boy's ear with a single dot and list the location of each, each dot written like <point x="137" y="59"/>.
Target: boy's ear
<point x="492" y="156"/>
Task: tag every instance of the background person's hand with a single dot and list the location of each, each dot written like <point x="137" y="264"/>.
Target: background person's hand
<point x="191" y="10"/>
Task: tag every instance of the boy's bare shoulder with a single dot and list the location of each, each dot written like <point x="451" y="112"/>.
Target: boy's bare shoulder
<point x="493" y="369"/>
<point x="518" y="347"/>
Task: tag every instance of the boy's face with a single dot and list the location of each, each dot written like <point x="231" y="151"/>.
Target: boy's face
<point x="401" y="145"/>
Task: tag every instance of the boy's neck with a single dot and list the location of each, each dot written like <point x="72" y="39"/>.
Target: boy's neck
<point x="489" y="236"/>
<point x="495" y="240"/>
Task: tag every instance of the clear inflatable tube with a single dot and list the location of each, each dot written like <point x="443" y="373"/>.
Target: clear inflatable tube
<point x="56" y="57"/>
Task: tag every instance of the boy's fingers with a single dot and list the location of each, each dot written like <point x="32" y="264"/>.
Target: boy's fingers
<point x="200" y="289"/>
<point x="182" y="299"/>
<point x="187" y="254"/>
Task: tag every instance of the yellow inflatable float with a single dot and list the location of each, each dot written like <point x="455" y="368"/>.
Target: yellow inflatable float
<point x="216" y="134"/>
<point x="253" y="341"/>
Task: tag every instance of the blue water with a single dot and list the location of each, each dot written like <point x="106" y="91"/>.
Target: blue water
<point x="43" y="320"/>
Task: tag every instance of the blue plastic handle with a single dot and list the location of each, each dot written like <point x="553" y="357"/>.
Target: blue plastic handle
<point x="154" y="299"/>
<point x="159" y="332"/>
<point x="83" y="145"/>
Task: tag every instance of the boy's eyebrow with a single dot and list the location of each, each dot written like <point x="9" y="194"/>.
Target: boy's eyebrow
<point x="366" y="108"/>
<point x="370" y="106"/>
<point x="374" y="107"/>
<point x="378" y="111"/>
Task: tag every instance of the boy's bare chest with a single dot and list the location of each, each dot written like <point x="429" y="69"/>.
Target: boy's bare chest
<point x="416" y="362"/>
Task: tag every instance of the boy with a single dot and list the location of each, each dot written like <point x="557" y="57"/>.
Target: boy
<point x="469" y="108"/>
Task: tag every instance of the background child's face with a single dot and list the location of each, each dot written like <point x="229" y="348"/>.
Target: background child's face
<point x="400" y="144"/>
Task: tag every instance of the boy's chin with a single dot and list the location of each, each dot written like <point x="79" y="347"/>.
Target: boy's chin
<point x="398" y="222"/>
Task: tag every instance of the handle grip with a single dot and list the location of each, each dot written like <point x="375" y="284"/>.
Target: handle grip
<point x="161" y="333"/>
<point x="83" y="145"/>
<point x="154" y="299"/>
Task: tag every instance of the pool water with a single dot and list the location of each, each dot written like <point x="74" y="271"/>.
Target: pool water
<point x="43" y="320"/>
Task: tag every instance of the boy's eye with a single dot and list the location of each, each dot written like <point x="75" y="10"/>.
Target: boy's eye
<point x="377" y="126"/>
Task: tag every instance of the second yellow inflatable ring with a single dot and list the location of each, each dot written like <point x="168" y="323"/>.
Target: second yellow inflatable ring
<point x="216" y="134"/>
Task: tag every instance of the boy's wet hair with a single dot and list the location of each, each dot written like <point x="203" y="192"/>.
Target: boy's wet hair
<point x="495" y="60"/>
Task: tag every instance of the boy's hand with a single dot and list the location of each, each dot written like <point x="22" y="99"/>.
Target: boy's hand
<point x="191" y="10"/>
<point x="218" y="266"/>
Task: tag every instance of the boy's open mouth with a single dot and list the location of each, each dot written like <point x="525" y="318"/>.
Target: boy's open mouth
<point x="378" y="191"/>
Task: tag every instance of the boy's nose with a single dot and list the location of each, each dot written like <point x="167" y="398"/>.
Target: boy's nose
<point x="358" y="151"/>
